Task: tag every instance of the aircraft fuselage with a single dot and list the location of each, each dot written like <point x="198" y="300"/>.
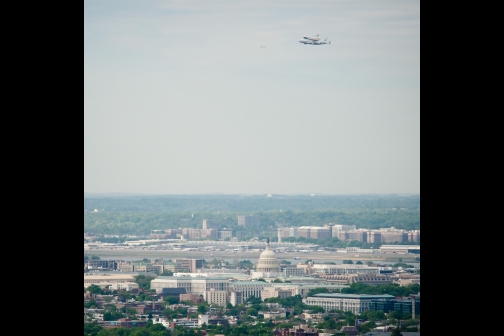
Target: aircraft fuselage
<point x="312" y="42"/>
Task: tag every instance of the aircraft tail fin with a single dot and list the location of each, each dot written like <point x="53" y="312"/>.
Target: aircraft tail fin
<point x="317" y="35"/>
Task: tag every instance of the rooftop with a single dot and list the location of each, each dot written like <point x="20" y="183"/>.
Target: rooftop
<point x="188" y="278"/>
<point x="354" y="296"/>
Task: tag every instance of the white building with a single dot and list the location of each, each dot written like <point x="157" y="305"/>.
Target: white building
<point x="202" y="318"/>
<point x="344" y="269"/>
<point x="267" y="264"/>
<point x="274" y="314"/>
<point x="163" y="321"/>
<point x="356" y="303"/>
<point x="195" y="285"/>
<point x="303" y="288"/>
<point x="126" y="286"/>
<point x="400" y="249"/>
<point x="106" y="280"/>
<point x="269" y="292"/>
<point x="248" y="288"/>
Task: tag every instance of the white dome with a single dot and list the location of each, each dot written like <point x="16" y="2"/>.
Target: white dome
<point x="268" y="261"/>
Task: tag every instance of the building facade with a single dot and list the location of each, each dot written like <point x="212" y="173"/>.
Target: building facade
<point x="355" y="303"/>
<point x="191" y="264"/>
<point x="195" y="285"/>
<point x="235" y="297"/>
<point x="249" y="221"/>
<point x="269" y="292"/>
<point x="248" y="288"/>
<point x="209" y="224"/>
<point x="216" y="297"/>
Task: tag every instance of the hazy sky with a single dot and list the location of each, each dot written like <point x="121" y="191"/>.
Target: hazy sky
<point x="180" y="98"/>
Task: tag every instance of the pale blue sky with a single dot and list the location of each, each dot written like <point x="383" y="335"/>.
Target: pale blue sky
<point x="179" y="97"/>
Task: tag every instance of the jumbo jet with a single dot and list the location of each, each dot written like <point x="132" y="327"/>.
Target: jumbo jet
<point x="313" y="38"/>
<point x="315" y="42"/>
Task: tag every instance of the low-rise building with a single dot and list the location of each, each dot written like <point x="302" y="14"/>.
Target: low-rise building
<point x="410" y="305"/>
<point x="400" y="249"/>
<point x="124" y="323"/>
<point x="186" y="322"/>
<point x="124" y="285"/>
<point x="340" y="269"/>
<point x="367" y="279"/>
<point x="273" y="314"/>
<point x="195" y="285"/>
<point x="194" y="298"/>
<point x="101" y="264"/>
<point x="356" y="303"/>
<point x="291" y="270"/>
<point x="125" y="267"/>
<point x="300" y="331"/>
<point x="191" y="264"/>
<point x="269" y="292"/>
<point x="107" y="279"/>
<point x="349" y="330"/>
<point x="248" y="288"/>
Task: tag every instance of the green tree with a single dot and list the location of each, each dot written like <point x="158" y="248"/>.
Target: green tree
<point x="91" y="304"/>
<point x="202" y="309"/>
<point x="95" y="289"/>
<point x="316" y="309"/>
<point x="245" y="264"/>
<point x="317" y="291"/>
<point x="143" y="281"/>
<point x="171" y="299"/>
<point x="92" y="329"/>
<point x="112" y="316"/>
<point x="252" y="311"/>
<point x="396" y="332"/>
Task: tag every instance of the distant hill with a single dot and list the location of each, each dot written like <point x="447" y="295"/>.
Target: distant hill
<point x="116" y="202"/>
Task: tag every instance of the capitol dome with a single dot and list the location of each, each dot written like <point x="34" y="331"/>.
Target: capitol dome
<point x="268" y="261"/>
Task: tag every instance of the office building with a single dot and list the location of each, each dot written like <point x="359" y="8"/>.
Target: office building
<point x="195" y="285"/>
<point x="356" y="303"/>
<point x="249" y="221"/>
<point x="217" y="297"/>
<point x="192" y="264"/>
<point x="209" y="224"/>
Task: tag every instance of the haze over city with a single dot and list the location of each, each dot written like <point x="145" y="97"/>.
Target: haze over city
<point x="180" y="97"/>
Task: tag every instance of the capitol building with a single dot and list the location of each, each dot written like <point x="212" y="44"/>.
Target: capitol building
<point x="267" y="265"/>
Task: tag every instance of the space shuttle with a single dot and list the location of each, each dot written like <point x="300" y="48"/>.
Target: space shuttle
<point x="313" y="38"/>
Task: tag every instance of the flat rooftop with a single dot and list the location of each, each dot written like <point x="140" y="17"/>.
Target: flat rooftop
<point x="353" y="296"/>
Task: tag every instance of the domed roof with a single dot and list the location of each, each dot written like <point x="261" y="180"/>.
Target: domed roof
<point x="268" y="253"/>
<point x="268" y="261"/>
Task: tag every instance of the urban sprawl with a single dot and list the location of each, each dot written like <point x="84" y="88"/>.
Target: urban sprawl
<point x="316" y="290"/>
